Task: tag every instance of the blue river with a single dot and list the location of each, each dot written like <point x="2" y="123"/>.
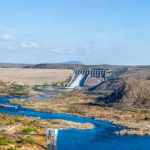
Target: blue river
<point x="102" y="137"/>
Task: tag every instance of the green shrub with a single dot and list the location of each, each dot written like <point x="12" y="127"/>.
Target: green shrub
<point x="17" y="120"/>
<point x="26" y="131"/>
<point x="4" y="130"/>
<point x="19" y="87"/>
<point x="4" y="114"/>
<point x="28" y="140"/>
<point x="35" y="87"/>
<point x="144" y="111"/>
<point x="63" y="94"/>
<point x="111" y="77"/>
<point x="147" y="118"/>
<point x="4" y="141"/>
<point x="9" y="123"/>
<point x="54" y="85"/>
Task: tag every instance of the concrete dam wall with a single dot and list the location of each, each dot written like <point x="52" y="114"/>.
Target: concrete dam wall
<point x="81" y="77"/>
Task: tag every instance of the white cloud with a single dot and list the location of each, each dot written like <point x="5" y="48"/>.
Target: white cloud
<point x="7" y="37"/>
<point x="35" y="45"/>
<point x="64" y="50"/>
<point x="9" y="47"/>
<point x="30" y="45"/>
<point x="58" y="51"/>
<point x="25" y="46"/>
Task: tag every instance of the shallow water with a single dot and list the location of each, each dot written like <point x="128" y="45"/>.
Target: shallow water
<point x="102" y="137"/>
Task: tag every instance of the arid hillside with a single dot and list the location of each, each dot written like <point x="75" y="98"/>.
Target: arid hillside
<point x="128" y="86"/>
<point x="134" y="93"/>
<point x="9" y="65"/>
<point x="34" y="76"/>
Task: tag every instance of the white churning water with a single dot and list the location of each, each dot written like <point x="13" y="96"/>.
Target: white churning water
<point x="76" y="83"/>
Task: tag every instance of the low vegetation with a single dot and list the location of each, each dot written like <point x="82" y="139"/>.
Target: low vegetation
<point x="13" y="89"/>
<point x="61" y="84"/>
<point x="147" y="118"/>
<point x="96" y="105"/>
<point x="28" y="140"/>
<point x="26" y="131"/>
<point x="4" y="141"/>
<point x="31" y="131"/>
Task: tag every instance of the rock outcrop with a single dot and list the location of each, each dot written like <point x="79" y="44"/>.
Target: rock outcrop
<point x="132" y="93"/>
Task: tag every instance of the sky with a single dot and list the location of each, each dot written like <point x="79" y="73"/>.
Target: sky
<point x="115" y="32"/>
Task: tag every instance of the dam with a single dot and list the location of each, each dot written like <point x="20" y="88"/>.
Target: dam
<point x="95" y="73"/>
<point x="80" y="77"/>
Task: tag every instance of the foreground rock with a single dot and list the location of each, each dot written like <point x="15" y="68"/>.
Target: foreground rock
<point x="141" y="127"/>
<point x="134" y="132"/>
<point x="69" y="124"/>
<point x="5" y="106"/>
<point x="137" y="128"/>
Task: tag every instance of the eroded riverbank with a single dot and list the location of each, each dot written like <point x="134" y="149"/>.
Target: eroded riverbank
<point x="22" y="132"/>
<point x="102" y="137"/>
<point x="83" y="105"/>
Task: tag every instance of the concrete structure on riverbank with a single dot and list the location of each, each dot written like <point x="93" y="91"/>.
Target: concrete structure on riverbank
<point x="92" y="73"/>
<point x="87" y="74"/>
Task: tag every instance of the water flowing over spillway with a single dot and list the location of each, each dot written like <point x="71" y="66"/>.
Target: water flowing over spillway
<point x="77" y="81"/>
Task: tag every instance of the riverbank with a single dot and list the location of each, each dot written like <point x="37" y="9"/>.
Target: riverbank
<point x="14" y="89"/>
<point x="86" y="105"/>
<point x="14" y="130"/>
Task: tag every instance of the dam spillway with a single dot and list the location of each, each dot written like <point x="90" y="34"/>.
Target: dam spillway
<point x="77" y="81"/>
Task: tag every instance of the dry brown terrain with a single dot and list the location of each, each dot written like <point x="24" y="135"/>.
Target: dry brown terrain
<point x="86" y="105"/>
<point x="34" y="76"/>
<point x="93" y="81"/>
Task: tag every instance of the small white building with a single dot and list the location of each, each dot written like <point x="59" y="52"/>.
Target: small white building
<point x="51" y="132"/>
